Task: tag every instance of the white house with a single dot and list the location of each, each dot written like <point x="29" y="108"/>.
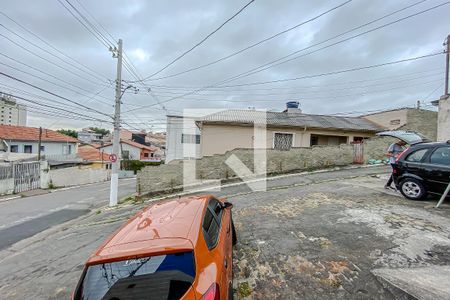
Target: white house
<point x="132" y="150"/>
<point x="443" y="130"/>
<point x="22" y="139"/>
<point x="182" y="138"/>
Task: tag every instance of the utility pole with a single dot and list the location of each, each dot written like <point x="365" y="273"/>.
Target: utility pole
<point x="117" y="53"/>
<point x="39" y="144"/>
<point x="447" y="67"/>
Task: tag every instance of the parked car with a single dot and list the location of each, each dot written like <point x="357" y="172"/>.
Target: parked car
<point x="176" y="249"/>
<point x="423" y="168"/>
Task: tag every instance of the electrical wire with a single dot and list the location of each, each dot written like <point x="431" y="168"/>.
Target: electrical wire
<point x="201" y="41"/>
<point x="53" y="94"/>
<point x="92" y="71"/>
<point x="282" y="60"/>
<point x="298" y="78"/>
<point x="255" y="44"/>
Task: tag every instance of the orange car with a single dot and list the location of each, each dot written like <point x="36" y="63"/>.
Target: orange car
<point x="176" y="249"/>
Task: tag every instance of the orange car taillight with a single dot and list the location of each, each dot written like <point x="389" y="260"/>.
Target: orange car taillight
<point x="213" y="293"/>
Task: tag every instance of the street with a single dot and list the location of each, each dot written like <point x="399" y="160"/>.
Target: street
<point x="23" y="217"/>
<point x="316" y="235"/>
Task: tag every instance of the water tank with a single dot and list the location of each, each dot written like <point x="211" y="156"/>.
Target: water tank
<point x="292" y="104"/>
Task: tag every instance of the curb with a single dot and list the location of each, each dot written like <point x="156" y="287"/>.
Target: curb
<point x="201" y="188"/>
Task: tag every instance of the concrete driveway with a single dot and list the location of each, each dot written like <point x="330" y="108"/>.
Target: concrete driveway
<point x="313" y="236"/>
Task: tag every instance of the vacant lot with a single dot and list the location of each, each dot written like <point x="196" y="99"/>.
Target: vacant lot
<point x="320" y="241"/>
<point x="313" y="236"/>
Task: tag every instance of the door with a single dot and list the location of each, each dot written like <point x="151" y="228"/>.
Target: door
<point x="437" y="169"/>
<point x="414" y="163"/>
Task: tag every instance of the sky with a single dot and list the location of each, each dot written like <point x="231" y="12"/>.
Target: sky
<point x="61" y="64"/>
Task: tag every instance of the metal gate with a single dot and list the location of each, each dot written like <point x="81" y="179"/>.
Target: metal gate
<point x="26" y="176"/>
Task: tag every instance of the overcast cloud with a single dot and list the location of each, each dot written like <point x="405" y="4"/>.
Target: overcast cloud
<point x="155" y="32"/>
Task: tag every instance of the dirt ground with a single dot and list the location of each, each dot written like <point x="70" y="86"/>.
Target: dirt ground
<point x="321" y="241"/>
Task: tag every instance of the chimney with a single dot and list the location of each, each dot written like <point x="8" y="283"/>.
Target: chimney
<point x="293" y="107"/>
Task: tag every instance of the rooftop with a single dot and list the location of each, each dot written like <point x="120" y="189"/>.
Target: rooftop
<point x="23" y="133"/>
<point x="91" y="153"/>
<point x="291" y="119"/>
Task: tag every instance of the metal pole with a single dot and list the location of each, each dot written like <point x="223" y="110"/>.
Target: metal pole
<point x="116" y="135"/>
<point x="447" y="68"/>
<point x="447" y="190"/>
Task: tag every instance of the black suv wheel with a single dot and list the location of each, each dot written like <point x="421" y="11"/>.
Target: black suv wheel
<point x="412" y="189"/>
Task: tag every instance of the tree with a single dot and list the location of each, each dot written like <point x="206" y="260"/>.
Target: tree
<point x="101" y="131"/>
<point x="68" y="132"/>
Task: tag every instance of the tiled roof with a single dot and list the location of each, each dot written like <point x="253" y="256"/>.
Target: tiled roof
<point x="23" y="133"/>
<point x="291" y="119"/>
<point x="90" y="153"/>
<point x="134" y="144"/>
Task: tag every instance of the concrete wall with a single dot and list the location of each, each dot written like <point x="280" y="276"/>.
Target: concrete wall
<point x="423" y="121"/>
<point x="7" y="186"/>
<point x="218" y="139"/>
<point x="174" y="147"/>
<point x="444" y="120"/>
<point x="392" y="119"/>
<point x="72" y="176"/>
<point x="152" y="179"/>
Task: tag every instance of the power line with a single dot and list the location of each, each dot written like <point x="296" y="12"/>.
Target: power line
<point x="53" y="107"/>
<point x="93" y="72"/>
<point x="342" y="71"/>
<point x="50" y="75"/>
<point x="298" y="78"/>
<point x="255" y="44"/>
<point x="47" y="60"/>
<point x="52" y="54"/>
<point x="84" y="25"/>
<point x="201" y="41"/>
<point x="53" y="94"/>
<point x="281" y="60"/>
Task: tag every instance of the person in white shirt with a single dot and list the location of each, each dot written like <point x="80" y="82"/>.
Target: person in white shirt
<point x="394" y="151"/>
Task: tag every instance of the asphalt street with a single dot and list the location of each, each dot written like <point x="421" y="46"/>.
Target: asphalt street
<point x="24" y="217"/>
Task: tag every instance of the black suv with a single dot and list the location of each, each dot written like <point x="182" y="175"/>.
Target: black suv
<point x="423" y="168"/>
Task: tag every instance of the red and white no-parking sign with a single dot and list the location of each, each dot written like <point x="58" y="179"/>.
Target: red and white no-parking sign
<point x="112" y="158"/>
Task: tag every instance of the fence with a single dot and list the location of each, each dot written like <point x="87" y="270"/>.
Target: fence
<point x="19" y="177"/>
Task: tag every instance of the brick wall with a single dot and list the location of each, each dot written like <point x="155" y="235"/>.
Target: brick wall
<point x="154" y="179"/>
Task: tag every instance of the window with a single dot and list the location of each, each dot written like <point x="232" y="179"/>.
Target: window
<point x="146" y="154"/>
<point x="441" y="156"/>
<point x="166" y="276"/>
<point x="42" y="148"/>
<point x="417" y="156"/>
<point x="14" y="148"/>
<point x="126" y="154"/>
<point x="190" y="138"/>
<point x="211" y="223"/>
<point x="69" y="149"/>
<point x="28" y="149"/>
<point x="283" y="141"/>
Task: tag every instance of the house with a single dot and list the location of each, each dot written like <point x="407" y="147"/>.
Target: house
<point x="89" y="136"/>
<point x="443" y="122"/>
<point x="21" y="139"/>
<point x="231" y="129"/>
<point x="176" y="139"/>
<point x="99" y="159"/>
<point x="415" y="119"/>
<point x="132" y="150"/>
